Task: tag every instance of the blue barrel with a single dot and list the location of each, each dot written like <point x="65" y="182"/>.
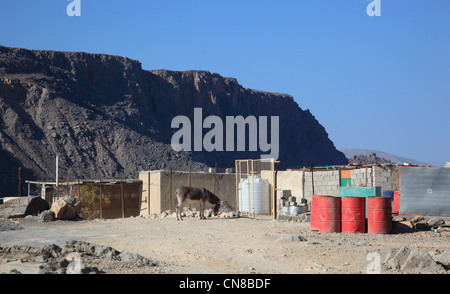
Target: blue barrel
<point x="389" y="194"/>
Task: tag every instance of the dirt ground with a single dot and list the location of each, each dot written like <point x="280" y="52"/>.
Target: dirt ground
<point x="226" y="245"/>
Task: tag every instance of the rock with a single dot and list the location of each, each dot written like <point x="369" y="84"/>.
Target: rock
<point x="72" y="200"/>
<point x="63" y="210"/>
<point x="231" y="214"/>
<point x="416" y="219"/>
<point x="412" y="261"/>
<point x="396" y="259"/>
<point x="435" y="222"/>
<point x="36" y="206"/>
<point x="420" y="261"/>
<point x="47" y="216"/>
<point x="208" y="212"/>
<point x="443" y="258"/>
<point x="291" y="238"/>
<point x="421" y="225"/>
<point x="398" y="219"/>
<point x="67" y="208"/>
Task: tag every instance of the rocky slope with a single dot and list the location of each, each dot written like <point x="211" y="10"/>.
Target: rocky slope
<point x="105" y="116"/>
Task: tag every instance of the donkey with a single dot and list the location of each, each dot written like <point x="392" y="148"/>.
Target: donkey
<point x="196" y="195"/>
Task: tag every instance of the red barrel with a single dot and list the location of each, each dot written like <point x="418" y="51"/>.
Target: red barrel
<point x="329" y="213"/>
<point x="396" y="203"/>
<point x="314" y="218"/>
<point x="379" y="215"/>
<point x="353" y="214"/>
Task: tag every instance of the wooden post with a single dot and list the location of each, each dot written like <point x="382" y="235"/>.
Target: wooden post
<point x="189" y="176"/>
<point x="101" y="200"/>
<point x="68" y="178"/>
<point x="79" y="193"/>
<point x="57" y="178"/>
<point x="121" y="196"/>
<point x="148" y="196"/>
<point x="312" y="177"/>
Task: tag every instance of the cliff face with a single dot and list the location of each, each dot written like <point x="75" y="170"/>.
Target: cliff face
<point x="105" y="116"/>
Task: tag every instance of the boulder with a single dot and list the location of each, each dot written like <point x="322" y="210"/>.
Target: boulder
<point x="412" y="261"/>
<point x="74" y="202"/>
<point x="67" y="208"/>
<point x="36" y="206"/>
<point x="395" y="259"/>
<point x="419" y="261"/>
<point x="443" y="258"/>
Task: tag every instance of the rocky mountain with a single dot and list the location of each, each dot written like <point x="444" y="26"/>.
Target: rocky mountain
<point x="372" y="158"/>
<point x="105" y="116"/>
<point x="361" y="154"/>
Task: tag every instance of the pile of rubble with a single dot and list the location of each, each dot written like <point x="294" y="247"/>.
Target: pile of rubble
<point x="226" y="211"/>
<point x="418" y="223"/>
<point x="75" y="257"/>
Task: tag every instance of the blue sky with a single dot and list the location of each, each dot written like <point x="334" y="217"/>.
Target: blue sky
<point x="379" y="82"/>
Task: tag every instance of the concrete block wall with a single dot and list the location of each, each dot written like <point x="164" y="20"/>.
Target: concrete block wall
<point x="359" y="177"/>
<point x="387" y="177"/>
<point x="325" y="183"/>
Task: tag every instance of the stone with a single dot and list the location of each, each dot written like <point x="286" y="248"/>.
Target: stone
<point x="231" y="214"/>
<point x="421" y="225"/>
<point x="47" y="216"/>
<point x="443" y="258"/>
<point x="398" y="219"/>
<point x="435" y="222"/>
<point x="396" y="259"/>
<point x="291" y="238"/>
<point x="72" y="200"/>
<point x="419" y="261"/>
<point x="36" y="206"/>
<point x="416" y="219"/>
<point x="63" y="210"/>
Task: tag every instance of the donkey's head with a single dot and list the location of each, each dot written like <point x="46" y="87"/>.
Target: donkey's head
<point x="213" y="199"/>
<point x="216" y="209"/>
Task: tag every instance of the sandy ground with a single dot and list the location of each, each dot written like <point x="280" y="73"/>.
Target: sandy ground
<point x="226" y="245"/>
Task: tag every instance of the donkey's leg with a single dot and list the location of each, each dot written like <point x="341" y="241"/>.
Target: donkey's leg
<point x="179" y="212"/>
<point x="202" y="210"/>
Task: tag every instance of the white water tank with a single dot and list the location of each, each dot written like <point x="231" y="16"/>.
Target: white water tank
<point x="259" y="201"/>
